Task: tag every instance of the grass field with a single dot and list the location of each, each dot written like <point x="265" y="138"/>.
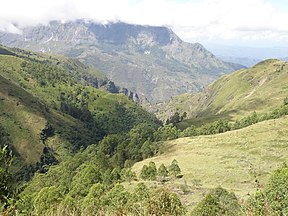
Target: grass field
<point x="234" y="160"/>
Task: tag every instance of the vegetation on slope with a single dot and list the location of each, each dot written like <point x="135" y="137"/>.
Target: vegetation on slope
<point x="150" y="60"/>
<point x="51" y="106"/>
<point x="261" y="88"/>
<point x="241" y="161"/>
<point x="53" y="113"/>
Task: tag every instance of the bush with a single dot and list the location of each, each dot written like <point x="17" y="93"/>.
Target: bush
<point x="273" y="200"/>
<point x="218" y="202"/>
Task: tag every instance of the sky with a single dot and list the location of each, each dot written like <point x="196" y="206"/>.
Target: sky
<point x="259" y="23"/>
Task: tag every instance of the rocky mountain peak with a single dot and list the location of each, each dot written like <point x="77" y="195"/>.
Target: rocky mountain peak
<point x="150" y="60"/>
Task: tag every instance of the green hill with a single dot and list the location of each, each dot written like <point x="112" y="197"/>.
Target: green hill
<point x="260" y="88"/>
<point x="240" y="161"/>
<point x="55" y="104"/>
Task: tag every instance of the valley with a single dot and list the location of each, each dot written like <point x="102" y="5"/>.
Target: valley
<point x="126" y="119"/>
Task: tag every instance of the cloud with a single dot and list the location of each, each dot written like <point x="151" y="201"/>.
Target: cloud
<point x="193" y="20"/>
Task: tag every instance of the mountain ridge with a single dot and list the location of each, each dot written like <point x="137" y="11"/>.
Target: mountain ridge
<point x="259" y="88"/>
<point x="152" y="61"/>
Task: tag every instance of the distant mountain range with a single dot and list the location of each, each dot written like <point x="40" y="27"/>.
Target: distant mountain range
<point x="152" y="61"/>
<point x="247" y="56"/>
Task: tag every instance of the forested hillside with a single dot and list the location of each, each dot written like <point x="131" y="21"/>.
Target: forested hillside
<point x="71" y="144"/>
<point x="52" y="106"/>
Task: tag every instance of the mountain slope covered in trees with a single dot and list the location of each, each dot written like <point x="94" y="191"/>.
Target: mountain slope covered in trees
<point x="152" y="61"/>
<point x="52" y="106"/>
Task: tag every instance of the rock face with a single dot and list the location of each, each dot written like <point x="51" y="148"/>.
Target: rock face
<point x="152" y="61"/>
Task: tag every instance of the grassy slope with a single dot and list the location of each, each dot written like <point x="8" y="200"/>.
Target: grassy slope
<point x="23" y="122"/>
<point x="26" y="105"/>
<point x="260" y="88"/>
<point x="23" y="116"/>
<point x="231" y="159"/>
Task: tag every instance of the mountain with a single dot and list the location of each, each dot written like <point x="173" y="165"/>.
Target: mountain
<point x="260" y="88"/>
<point x="247" y="56"/>
<point x="152" y="61"/>
<point x="246" y="61"/>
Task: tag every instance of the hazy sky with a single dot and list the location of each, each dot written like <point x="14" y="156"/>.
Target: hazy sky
<point x="240" y="22"/>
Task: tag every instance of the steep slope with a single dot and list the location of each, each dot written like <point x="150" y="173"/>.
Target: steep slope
<point x="240" y="161"/>
<point x="152" y="61"/>
<point x="260" y="88"/>
<point x="50" y="104"/>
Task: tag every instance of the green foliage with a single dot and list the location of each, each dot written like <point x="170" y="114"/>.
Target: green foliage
<point x="273" y="200"/>
<point x="221" y="126"/>
<point x="167" y="132"/>
<point x="257" y="204"/>
<point x="148" y="149"/>
<point x="47" y="200"/>
<point x="149" y="172"/>
<point x="92" y="204"/>
<point x="165" y="203"/>
<point x="127" y="175"/>
<point x="277" y="192"/>
<point x="174" y="168"/>
<point x="5" y="175"/>
<point x="218" y="202"/>
<point x="162" y="171"/>
<point x="189" y="131"/>
<point x="174" y="119"/>
<point x="116" y="200"/>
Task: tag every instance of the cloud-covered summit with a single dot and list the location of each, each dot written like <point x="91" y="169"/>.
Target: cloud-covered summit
<point x="193" y="20"/>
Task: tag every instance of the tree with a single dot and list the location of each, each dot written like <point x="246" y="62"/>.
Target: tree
<point x="174" y="119"/>
<point x="168" y="132"/>
<point x="144" y="172"/>
<point x="5" y="175"/>
<point x="47" y="132"/>
<point x="174" y="169"/>
<point x="163" y="202"/>
<point x="277" y="191"/>
<point x="139" y="199"/>
<point x="149" y="172"/>
<point x="127" y="174"/>
<point x="92" y="203"/>
<point x="218" y="202"/>
<point x="148" y="149"/>
<point x="190" y="131"/>
<point x="116" y="200"/>
<point x="46" y="200"/>
<point x="273" y="199"/>
<point x="162" y="171"/>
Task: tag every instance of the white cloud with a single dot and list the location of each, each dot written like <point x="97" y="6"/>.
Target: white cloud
<point x="193" y="20"/>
